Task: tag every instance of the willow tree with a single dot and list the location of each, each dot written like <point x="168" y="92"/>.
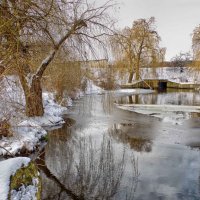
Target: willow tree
<point x="138" y="46"/>
<point x="52" y="24"/>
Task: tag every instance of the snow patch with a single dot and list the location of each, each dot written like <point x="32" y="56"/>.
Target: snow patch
<point x="29" y="131"/>
<point x="7" y="169"/>
<point x="51" y="108"/>
<point x="25" y="137"/>
<point x="25" y="193"/>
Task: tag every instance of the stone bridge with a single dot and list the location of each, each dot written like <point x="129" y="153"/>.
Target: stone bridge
<point x="160" y="84"/>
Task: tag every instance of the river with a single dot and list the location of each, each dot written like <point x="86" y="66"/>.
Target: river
<point x="103" y="152"/>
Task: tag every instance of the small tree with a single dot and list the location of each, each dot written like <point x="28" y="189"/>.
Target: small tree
<point x="181" y="60"/>
<point x="29" y="24"/>
<point x="138" y="46"/>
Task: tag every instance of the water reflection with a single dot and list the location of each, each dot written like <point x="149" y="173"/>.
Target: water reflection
<point x="121" y="133"/>
<point x="108" y="102"/>
<point x="113" y="154"/>
<point x="172" y="98"/>
<point x="95" y="105"/>
<point x="80" y="168"/>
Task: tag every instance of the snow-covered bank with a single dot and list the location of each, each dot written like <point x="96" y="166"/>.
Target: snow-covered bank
<point x="7" y="169"/>
<point x="175" y="114"/>
<point x="28" y="131"/>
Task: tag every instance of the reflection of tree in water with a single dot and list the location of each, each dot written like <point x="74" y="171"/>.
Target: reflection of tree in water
<point x="107" y="102"/>
<point x="138" y="99"/>
<point x="174" y="97"/>
<point x="86" y="106"/>
<point x="84" y="170"/>
<point x="137" y="143"/>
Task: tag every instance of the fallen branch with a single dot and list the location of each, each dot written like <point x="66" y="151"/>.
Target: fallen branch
<point x="7" y="151"/>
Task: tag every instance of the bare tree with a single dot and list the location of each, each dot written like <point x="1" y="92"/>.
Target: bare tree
<point x="138" y="45"/>
<point x="181" y="60"/>
<point x="27" y="25"/>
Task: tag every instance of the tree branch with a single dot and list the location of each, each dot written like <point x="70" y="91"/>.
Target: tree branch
<point x="77" y="25"/>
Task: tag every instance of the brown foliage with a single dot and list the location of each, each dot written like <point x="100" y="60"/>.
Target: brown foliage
<point x="5" y="129"/>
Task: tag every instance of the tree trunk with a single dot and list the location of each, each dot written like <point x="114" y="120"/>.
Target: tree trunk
<point x="33" y="97"/>
<point x="137" y="72"/>
<point x="130" y="78"/>
<point x="34" y="104"/>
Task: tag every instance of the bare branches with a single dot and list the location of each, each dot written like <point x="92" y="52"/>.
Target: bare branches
<point x="54" y="23"/>
<point x="32" y="32"/>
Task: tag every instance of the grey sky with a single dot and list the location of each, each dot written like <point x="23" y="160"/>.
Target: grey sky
<point x="175" y="20"/>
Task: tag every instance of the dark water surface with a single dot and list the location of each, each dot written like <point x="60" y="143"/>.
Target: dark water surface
<point x="108" y="153"/>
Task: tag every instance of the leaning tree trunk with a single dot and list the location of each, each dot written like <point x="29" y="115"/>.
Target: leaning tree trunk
<point x="33" y="97"/>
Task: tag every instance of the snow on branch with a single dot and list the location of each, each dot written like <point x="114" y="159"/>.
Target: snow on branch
<point x="45" y="63"/>
<point x="76" y="26"/>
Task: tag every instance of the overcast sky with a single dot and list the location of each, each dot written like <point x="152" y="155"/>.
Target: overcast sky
<point x="175" y="20"/>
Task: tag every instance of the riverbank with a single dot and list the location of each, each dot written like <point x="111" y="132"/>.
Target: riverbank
<point x="27" y="134"/>
<point x="93" y="112"/>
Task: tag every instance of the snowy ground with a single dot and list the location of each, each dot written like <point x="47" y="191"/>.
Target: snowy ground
<point x="26" y="192"/>
<point x="7" y="169"/>
<point x="27" y="132"/>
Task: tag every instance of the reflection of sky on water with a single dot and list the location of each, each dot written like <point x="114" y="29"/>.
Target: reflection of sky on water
<point x="167" y="170"/>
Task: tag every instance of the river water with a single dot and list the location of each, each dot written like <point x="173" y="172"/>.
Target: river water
<point x="103" y="152"/>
